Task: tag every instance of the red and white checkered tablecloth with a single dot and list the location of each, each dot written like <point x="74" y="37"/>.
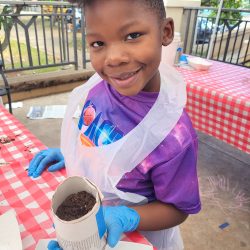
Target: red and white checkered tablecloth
<point x="219" y="102"/>
<point x="30" y="198"/>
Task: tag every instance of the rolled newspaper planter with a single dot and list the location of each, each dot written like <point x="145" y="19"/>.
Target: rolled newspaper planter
<point x="86" y="232"/>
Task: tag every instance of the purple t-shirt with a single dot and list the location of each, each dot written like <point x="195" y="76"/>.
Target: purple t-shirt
<point x="169" y="173"/>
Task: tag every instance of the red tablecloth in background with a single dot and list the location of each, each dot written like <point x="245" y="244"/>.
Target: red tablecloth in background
<point x="30" y="198"/>
<point x="219" y="102"/>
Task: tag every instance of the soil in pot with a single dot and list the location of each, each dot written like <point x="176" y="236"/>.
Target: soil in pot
<point x="75" y="206"/>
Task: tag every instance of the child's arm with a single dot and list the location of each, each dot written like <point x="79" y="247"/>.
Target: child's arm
<point x="157" y="216"/>
<point x="149" y="217"/>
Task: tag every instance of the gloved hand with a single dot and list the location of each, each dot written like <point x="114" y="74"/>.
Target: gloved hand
<point x="53" y="245"/>
<point x="50" y="156"/>
<point x="119" y="219"/>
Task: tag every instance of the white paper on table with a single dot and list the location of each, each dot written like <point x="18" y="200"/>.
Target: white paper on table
<point x="46" y="112"/>
<point x="49" y="112"/>
<point x="14" y="105"/>
<point x="10" y="238"/>
<point x="122" y="245"/>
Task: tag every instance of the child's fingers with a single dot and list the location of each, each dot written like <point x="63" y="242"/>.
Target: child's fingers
<point x="114" y="234"/>
<point x="53" y="245"/>
<point x="57" y="166"/>
<point x="42" y="165"/>
<point x="35" y="163"/>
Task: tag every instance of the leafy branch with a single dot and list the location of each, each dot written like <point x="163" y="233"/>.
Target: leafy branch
<point x="6" y="23"/>
<point x="229" y="4"/>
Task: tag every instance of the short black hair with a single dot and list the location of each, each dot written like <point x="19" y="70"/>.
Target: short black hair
<point x="155" y="5"/>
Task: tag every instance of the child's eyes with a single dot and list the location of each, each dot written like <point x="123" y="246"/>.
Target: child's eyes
<point x="134" y="35"/>
<point x="131" y="36"/>
<point x="97" y="44"/>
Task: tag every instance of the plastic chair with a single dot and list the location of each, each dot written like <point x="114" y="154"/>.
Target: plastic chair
<point x="5" y="89"/>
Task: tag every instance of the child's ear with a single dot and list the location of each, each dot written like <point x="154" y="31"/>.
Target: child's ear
<point x="167" y="31"/>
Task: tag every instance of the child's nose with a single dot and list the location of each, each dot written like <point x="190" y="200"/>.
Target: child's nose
<point x="116" y="55"/>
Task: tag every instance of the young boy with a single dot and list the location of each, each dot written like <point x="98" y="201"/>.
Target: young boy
<point x="134" y="139"/>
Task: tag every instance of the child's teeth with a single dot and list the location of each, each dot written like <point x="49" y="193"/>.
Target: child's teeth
<point x="127" y="76"/>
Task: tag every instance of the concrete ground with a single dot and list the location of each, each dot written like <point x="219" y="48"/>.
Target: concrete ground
<point x="224" y="185"/>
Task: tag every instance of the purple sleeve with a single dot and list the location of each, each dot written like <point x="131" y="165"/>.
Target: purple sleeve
<point x="175" y="182"/>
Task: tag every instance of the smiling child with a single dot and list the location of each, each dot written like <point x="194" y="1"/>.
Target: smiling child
<point x="134" y="139"/>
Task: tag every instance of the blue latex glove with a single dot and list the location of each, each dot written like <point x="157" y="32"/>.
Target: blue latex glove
<point x="119" y="219"/>
<point x="53" y="245"/>
<point x="50" y="156"/>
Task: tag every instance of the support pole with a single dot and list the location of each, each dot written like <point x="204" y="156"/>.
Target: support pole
<point x="210" y="48"/>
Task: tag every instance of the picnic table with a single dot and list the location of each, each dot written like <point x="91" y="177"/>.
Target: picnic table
<point x="30" y="198"/>
<point x="218" y="102"/>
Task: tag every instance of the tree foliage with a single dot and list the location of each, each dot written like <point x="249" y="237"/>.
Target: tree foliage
<point x="6" y="23"/>
<point x="229" y="4"/>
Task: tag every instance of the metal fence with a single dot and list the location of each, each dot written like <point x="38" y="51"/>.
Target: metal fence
<point x="37" y="35"/>
<point x="40" y="35"/>
<point x="232" y="39"/>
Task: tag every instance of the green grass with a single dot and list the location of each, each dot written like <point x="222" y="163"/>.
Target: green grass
<point x="25" y="60"/>
<point x="247" y="64"/>
<point x="15" y="51"/>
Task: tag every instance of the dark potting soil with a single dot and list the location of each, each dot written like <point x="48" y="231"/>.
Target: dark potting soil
<point x="75" y="206"/>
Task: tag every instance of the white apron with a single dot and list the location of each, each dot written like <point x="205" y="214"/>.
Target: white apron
<point x="105" y="165"/>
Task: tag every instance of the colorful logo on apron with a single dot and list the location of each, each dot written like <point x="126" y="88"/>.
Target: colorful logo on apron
<point x="95" y="131"/>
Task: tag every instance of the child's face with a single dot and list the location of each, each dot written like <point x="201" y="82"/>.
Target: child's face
<point x="125" y="41"/>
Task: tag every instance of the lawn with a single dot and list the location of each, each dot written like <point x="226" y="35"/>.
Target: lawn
<point x="38" y="59"/>
<point x="25" y="60"/>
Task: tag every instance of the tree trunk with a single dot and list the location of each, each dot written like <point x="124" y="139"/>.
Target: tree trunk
<point x="7" y="29"/>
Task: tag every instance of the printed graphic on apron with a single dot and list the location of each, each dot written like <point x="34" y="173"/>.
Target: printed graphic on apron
<point x="95" y="131"/>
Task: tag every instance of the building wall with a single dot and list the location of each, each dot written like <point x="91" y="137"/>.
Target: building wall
<point x="174" y="9"/>
<point x="182" y="3"/>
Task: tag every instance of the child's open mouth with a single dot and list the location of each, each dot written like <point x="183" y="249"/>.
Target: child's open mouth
<point x="125" y="79"/>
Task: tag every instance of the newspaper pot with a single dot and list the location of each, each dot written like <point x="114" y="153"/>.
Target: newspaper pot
<point x="86" y="232"/>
